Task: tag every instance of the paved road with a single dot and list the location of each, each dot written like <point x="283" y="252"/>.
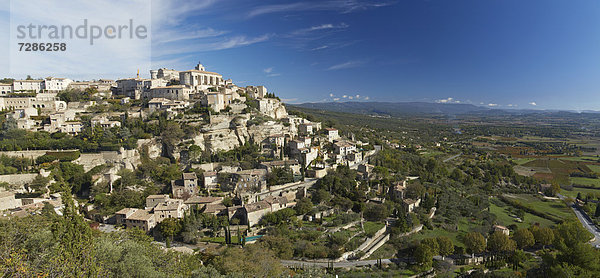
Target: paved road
<point x="586" y="222"/>
<point x="452" y="157"/>
<point x="290" y="263"/>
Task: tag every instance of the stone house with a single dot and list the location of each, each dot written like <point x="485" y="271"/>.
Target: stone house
<point x="410" y="204"/>
<point x="185" y="187"/>
<point x="253" y="180"/>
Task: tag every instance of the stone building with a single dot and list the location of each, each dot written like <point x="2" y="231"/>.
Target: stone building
<point x="23" y="86"/>
<point x="199" y="79"/>
<point x="185" y="187"/>
<point x="176" y="92"/>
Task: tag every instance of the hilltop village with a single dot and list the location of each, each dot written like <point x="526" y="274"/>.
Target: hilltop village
<point x="233" y="152"/>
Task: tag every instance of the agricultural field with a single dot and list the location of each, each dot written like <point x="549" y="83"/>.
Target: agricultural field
<point x="505" y="217"/>
<point x="584" y="192"/>
<point x="552" y="209"/>
<point x="585" y="181"/>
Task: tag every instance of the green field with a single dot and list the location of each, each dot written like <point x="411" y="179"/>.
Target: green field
<point x="595" y="168"/>
<point x="583" y="191"/>
<point x="504" y="218"/>
<point x="454" y="236"/>
<point x="554" y="208"/>
<point x="521" y="161"/>
<point x="372" y="227"/>
<point x="581" y="158"/>
<point x="585" y="181"/>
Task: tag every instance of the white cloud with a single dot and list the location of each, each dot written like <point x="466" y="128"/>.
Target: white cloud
<point x="447" y="100"/>
<point x="350" y="97"/>
<point x="321" y="27"/>
<point x="357" y="96"/>
<point x="492" y="104"/>
<point x="320" y="47"/>
<point x="336" y="99"/>
<point x="533" y="103"/>
<point x="270" y="73"/>
<point x="341" y="6"/>
<point x="215" y="45"/>
<point x="344" y="96"/>
<point x="186" y="33"/>
<point x="346" y="65"/>
<point x="330" y="95"/>
<point x="366" y="98"/>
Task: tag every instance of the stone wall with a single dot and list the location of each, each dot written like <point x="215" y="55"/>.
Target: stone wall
<point x="33" y="154"/>
<point x="18" y="180"/>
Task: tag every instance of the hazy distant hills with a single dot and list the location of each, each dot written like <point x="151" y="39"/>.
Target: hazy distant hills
<point x="394" y="109"/>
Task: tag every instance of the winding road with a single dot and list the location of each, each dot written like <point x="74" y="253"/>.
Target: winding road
<point x="452" y="157"/>
<point x="585" y="221"/>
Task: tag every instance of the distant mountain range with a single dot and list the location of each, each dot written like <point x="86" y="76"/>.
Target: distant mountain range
<point x="394" y="109"/>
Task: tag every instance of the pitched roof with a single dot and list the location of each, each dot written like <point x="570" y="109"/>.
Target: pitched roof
<point x="203" y="200"/>
<point x="210" y="173"/>
<point x="126" y="210"/>
<point x="202" y="71"/>
<point x="163" y="196"/>
<point x="189" y="176"/>
<point x="262" y="205"/>
<point x="141" y="215"/>
<point x="173" y="204"/>
<point x="210" y="208"/>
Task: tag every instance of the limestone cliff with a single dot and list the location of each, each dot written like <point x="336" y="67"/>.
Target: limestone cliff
<point x="226" y="132"/>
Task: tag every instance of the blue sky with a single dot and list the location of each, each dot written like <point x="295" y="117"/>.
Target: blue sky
<point x="497" y="53"/>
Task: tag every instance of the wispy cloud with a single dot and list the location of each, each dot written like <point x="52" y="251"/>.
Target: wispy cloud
<point x="186" y="34"/>
<point x="492" y="104"/>
<point x="533" y="103"/>
<point x="321" y="27"/>
<point x="346" y="65"/>
<point x="341" y="6"/>
<point x="214" y="45"/>
<point x="320" y="47"/>
<point x="268" y="70"/>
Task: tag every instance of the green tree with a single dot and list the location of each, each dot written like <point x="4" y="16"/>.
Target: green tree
<point x="424" y="255"/>
<point x="446" y="247"/>
<point x="543" y="236"/>
<point x="474" y="242"/>
<point x="376" y="212"/>
<point x="499" y="242"/>
<point x="433" y="244"/>
<point x="38" y="185"/>
<point x="524" y="238"/>
<point x="75" y="257"/>
<point x="252" y="261"/>
<point x="303" y="206"/>
<point x="517" y="258"/>
<point x="169" y="228"/>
